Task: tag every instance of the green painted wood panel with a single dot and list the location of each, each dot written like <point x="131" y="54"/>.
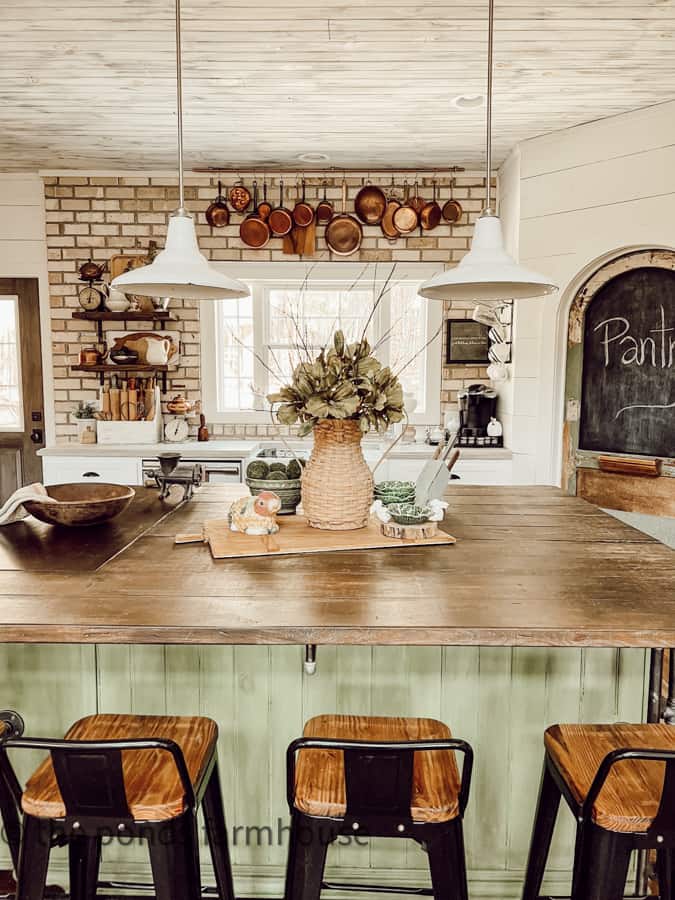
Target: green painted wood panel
<point x="500" y="699"/>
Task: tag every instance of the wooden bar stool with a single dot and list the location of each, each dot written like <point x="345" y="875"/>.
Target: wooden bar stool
<point x="124" y="776"/>
<point x="619" y="782"/>
<point x="376" y="777"/>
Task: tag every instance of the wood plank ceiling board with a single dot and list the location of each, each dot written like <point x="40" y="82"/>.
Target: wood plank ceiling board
<point x="87" y="85"/>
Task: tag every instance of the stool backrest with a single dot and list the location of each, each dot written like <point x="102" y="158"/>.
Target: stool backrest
<point x="379" y="774"/>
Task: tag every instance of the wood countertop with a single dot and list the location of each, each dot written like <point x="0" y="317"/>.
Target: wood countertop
<point x="531" y="567"/>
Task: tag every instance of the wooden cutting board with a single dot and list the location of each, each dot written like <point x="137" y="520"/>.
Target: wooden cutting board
<point x="295" y="536"/>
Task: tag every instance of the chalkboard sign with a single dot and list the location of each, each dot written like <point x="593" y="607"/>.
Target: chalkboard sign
<point x="467" y="342"/>
<point x="628" y="383"/>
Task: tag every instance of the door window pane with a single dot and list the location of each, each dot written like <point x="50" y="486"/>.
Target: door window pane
<point x="11" y="413"/>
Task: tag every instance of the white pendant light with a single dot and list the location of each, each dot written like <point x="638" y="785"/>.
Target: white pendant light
<point x="180" y="271"/>
<point x="487" y="271"/>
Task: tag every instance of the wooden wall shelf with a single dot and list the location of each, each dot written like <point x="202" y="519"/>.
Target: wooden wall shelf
<point x="104" y="315"/>
<point x="102" y="368"/>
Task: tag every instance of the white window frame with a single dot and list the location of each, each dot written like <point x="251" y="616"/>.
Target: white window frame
<point x="285" y="275"/>
<point x="11" y="429"/>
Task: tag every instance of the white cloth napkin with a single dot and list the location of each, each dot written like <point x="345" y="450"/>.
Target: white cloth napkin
<point x="14" y="510"/>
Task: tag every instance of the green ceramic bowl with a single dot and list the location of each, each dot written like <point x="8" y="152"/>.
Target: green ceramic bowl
<point x="409" y="513"/>
<point x="395" y="492"/>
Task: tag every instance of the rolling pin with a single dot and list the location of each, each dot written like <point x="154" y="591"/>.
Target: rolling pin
<point x="115" y="404"/>
<point x="124" y="405"/>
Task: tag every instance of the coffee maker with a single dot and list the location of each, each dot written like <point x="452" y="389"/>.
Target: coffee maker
<point x="477" y="405"/>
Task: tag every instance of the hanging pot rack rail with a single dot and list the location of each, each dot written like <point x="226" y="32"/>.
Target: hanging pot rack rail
<point x="327" y="170"/>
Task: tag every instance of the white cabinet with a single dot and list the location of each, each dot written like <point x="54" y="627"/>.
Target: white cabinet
<point x="470" y="471"/>
<point x="111" y="469"/>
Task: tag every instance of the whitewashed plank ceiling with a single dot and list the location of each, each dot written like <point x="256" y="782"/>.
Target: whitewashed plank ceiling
<point x="89" y="83"/>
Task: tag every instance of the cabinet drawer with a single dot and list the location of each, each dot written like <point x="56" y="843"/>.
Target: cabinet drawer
<point x="112" y="469"/>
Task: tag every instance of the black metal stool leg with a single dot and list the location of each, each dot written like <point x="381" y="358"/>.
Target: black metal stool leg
<point x="33" y="859"/>
<point x="174" y="857"/>
<point x="665" y="860"/>
<point x="447" y="863"/>
<point x="307" y="850"/>
<point x="601" y="866"/>
<point x="216" y="832"/>
<point x="542" y="833"/>
<point x="84" y="857"/>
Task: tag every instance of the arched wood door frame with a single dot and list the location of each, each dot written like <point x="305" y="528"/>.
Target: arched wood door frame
<point x="572" y="457"/>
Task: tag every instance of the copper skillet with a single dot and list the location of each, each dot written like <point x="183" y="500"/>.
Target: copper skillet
<point x="405" y="218"/>
<point x="280" y="219"/>
<point x="389" y="230"/>
<point x="264" y="207"/>
<point x="344" y="233"/>
<point x="217" y="214"/>
<point x="430" y="214"/>
<point x="324" y="211"/>
<point x="254" y="230"/>
<point x="240" y="197"/>
<point x="417" y="202"/>
<point x="452" y="209"/>
<point x="370" y="204"/>
<point x="303" y="214"/>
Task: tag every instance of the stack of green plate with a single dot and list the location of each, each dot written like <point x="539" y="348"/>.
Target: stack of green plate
<point x="409" y="513"/>
<point x="395" y="492"/>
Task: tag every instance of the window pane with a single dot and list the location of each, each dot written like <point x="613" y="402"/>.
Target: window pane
<point x="10" y="395"/>
<point x="236" y="354"/>
<point x="408" y="335"/>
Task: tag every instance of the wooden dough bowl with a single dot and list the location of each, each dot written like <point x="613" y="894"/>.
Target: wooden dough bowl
<point x="81" y="504"/>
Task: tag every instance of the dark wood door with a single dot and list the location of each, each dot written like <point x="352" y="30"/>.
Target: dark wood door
<point x="21" y="397"/>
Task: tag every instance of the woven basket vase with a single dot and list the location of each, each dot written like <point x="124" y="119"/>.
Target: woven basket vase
<point x="337" y="485"/>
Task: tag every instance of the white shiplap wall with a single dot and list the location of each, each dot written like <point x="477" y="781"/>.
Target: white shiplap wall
<point x="585" y="193"/>
<point x="23" y="254"/>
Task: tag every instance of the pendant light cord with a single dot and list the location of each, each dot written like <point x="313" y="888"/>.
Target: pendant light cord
<point x="179" y="110"/>
<point x="488" y="211"/>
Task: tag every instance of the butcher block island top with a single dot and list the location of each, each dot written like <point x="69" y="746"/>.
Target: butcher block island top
<point x="531" y="567"/>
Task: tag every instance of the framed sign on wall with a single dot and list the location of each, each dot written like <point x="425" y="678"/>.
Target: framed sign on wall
<point x="466" y="342"/>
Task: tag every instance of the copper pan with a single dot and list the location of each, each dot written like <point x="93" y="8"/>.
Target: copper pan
<point x="405" y="218"/>
<point x="324" y="211"/>
<point x="452" y="209"/>
<point x="240" y="197"/>
<point x="280" y="219"/>
<point x="389" y="230"/>
<point x="417" y="202"/>
<point x="303" y="214"/>
<point x="264" y="207"/>
<point x="217" y="214"/>
<point x="254" y="230"/>
<point x="430" y="214"/>
<point x="370" y="204"/>
<point x="344" y="233"/>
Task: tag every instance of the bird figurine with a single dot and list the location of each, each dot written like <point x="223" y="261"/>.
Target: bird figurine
<point x="255" y="515"/>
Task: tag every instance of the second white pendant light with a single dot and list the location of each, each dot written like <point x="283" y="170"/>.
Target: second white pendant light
<point x="487" y="271"/>
<point x="180" y="271"/>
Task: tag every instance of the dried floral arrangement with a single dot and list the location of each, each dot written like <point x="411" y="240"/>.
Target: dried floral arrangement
<point x="343" y="380"/>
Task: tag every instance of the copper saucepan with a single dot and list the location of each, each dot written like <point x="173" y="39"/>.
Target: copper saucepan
<point x="218" y="215"/>
<point x="264" y="207"/>
<point x="324" y="211"/>
<point x="344" y="233"/>
<point x="240" y="197"/>
<point x="452" y="209"/>
<point x="303" y="214"/>
<point x="389" y="230"/>
<point x="405" y="218"/>
<point x="280" y="219"/>
<point x="254" y="230"/>
<point x="370" y="204"/>
<point x="430" y="214"/>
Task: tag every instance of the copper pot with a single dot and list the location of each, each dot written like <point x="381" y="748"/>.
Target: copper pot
<point x="91" y="271"/>
<point x="416" y="201"/>
<point x="405" y="218"/>
<point x="240" y="197"/>
<point x="452" y="209"/>
<point x="254" y="230"/>
<point x="370" y="204"/>
<point x="280" y="219"/>
<point x="90" y="356"/>
<point x="324" y="211"/>
<point x="344" y="233"/>
<point x="217" y="214"/>
<point x="303" y="214"/>
<point x="430" y="214"/>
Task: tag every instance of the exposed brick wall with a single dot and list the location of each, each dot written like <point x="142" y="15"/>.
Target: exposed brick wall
<point x="100" y="217"/>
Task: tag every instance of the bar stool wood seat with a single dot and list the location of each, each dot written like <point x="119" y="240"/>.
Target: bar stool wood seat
<point x="370" y="776"/>
<point x="320" y="775"/>
<point x="129" y="777"/>
<point x="151" y="783"/>
<point x="619" y="782"/>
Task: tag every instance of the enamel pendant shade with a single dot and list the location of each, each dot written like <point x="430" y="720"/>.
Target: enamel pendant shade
<point x="180" y="271"/>
<point x="487" y="272"/>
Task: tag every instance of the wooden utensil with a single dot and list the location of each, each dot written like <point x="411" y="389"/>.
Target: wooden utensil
<point x="370" y="204"/>
<point x="434" y="475"/>
<point x="280" y="219"/>
<point x="218" y="213"/>
<point x="344" y="233"/>
<point x="303" y="213"/>
<point x="452" y="209"/>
